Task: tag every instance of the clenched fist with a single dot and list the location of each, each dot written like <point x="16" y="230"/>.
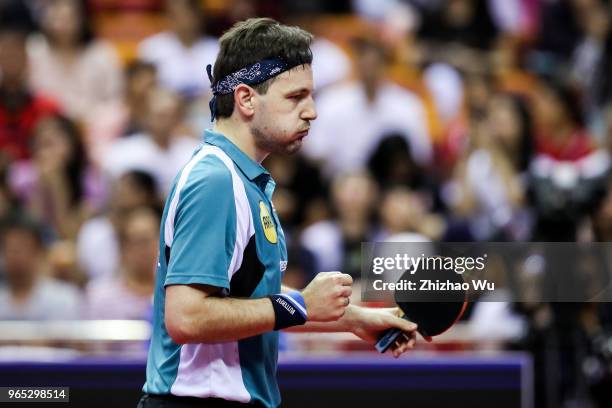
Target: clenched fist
<point x="327" y="296"/>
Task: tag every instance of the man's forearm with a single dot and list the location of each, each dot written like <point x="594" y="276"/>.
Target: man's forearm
<point x="212" y="319"/>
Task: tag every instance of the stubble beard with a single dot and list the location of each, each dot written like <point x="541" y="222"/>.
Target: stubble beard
<point x="265" y="142"/>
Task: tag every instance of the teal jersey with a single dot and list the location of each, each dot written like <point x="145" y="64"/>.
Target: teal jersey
<point x="219" y="228"/>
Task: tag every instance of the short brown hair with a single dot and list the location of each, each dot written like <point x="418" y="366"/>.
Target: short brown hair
<point x="253" y="40"/>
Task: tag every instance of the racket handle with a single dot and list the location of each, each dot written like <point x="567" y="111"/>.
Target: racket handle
<point x="387" y="340"/>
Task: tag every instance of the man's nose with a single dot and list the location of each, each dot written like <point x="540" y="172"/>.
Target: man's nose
<point x="310" y="112"/>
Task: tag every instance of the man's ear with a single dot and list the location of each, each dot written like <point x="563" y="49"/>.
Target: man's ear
<point x="243" y="100"/>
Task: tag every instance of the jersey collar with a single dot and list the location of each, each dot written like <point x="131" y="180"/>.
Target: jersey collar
<point x="248" y="166"/>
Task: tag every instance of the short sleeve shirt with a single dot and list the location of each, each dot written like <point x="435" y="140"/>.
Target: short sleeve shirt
<point x="219" y="228"/>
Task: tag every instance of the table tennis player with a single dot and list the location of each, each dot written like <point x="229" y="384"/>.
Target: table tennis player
<point x="219" y="303"/>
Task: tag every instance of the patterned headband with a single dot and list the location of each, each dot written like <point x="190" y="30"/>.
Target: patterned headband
<point x="252" y="74"/>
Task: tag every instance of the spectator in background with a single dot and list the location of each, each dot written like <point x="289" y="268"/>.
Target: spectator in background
<point x="488" y="187"/>
<point x="182" y="52"/>
<point x="336" y="243"/>
<point x="99" y="235"/>
<point x="128" y="294"/>
<point x="240" y="10"/>
<point x="128" y="115"/>
<point x="29" y="294"/>
<point x="511" y="126"/>
<point x="464" y="22"/>
<point x="58" y="185"/>
<point x="158" y="144"/>
<point x="404" y="212"/>
<point x="20" y="108"/>
<point x="68" y="62"/>
<point x="479" y="88"/>
<point x="391" y="163"/>
<point x="358" y="114"/>
<point x="330" y="63"/>
<point x="301" y="193"/>
<point x="568" y="170"/>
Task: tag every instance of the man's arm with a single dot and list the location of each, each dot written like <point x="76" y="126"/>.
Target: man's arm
<point x="195" y="314"/>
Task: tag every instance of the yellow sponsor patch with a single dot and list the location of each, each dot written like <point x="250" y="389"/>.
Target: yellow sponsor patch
<point x="267" y="223"/>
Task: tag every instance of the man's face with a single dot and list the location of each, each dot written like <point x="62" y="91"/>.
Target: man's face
<point x="283" y="114"/>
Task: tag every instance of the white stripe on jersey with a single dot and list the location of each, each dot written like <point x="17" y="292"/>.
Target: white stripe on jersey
<point x="213" y="370"/>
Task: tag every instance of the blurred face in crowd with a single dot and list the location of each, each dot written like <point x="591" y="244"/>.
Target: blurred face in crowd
<point x="504" y="122"/>
<point x="477" y="92"/>
<point x="184" y="17"/>
<point x="127" y="194"/>
<point x="52" y="149"/>
<point x="353" y="195"/>
<point x="140" y="243"/>
<point x="62" y="21"/>
<point x="141" y="83"/>
<point x="459" y="12"/>
<point x="22" y="256"/>
<point x="13" y="59"/>
<point x="281" y="117"/>
<point x="370" y="64"/>
<point x="163" y="114"/>
<point x="400" y="209"/>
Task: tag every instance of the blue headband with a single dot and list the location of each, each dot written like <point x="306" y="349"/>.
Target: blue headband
<point x="252" y="74"/>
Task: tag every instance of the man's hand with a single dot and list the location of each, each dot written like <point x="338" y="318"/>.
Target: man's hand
<point x="327" y="296"/>
<point x="369" y="324"/>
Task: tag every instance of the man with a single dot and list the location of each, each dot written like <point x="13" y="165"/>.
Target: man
<point x="218" y="301"/>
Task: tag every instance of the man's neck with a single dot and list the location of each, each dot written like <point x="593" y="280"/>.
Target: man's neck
<point x="239" y="134"/>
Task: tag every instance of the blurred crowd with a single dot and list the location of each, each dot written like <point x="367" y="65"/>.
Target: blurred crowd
<point x="438" y="120"/>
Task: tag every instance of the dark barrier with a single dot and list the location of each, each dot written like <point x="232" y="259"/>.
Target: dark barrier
<point x="471" y="380"/>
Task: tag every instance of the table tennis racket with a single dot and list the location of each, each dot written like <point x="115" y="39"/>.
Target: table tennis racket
<point x="433" y="311"/>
